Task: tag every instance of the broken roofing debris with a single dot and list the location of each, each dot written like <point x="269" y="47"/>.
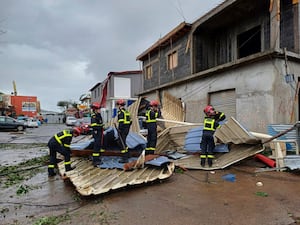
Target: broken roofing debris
<point x="177" y="146"/>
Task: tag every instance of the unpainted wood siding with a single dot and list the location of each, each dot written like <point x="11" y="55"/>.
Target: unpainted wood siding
<point x="159" y="62"/>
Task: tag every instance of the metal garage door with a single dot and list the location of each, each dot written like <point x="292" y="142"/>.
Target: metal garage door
<point x="224" y="101"/>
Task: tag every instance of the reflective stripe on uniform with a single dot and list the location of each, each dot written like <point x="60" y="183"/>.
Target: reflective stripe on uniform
<point x="126" y="119"/>
<point x="148" y="119"/>
<point x="209" y="124"/>
<point x="68" y="163"/>
<point x="51" y="166"/>
<point x="124" y="150"/>
<point x="203" y="156"/>
<point x="210" y="156"/>
<point x="96" y="125"/>
<point x="65" y="134"/>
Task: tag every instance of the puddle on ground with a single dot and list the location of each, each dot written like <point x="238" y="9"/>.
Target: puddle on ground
<point x="14" y="154"/>
<point x="36" y="197"/>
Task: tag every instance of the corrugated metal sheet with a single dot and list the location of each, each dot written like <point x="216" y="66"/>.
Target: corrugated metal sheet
<point x="90" y="180"/>
<point x="274" y="129"/>
<point x="292" y="162"/>
<point x="242" y="144"/>
<point x="233" y="132"/>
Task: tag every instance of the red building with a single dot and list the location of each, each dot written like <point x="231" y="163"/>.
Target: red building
<point x="25" y="105"/>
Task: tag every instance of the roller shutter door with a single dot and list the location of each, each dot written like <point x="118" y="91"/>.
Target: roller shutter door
<point x="224" y="101"/>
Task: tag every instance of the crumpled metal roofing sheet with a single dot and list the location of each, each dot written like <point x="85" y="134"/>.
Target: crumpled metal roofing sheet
<point x="242" y="144"/>
<point x="90" y="180"/>
<point x="292" y="162"/>
<point x="233" y="132"/>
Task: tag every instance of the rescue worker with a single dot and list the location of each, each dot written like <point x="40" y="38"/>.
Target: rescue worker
<point x="97" y="127"/>
<point x="151" y="115"/>
<point x="210" y="124"/>
<point x="61" y="142"/>
<point x="124" y="121"/>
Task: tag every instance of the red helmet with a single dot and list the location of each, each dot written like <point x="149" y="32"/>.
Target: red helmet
<point x="76" y="131"/>
<point x="96" y="105"/>
<point x="121" y="102"/>
<point x="209" y="110"/>
<point x="154" y="103"/>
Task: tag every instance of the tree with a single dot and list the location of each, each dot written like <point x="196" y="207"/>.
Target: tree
<point x="63" y="104"/>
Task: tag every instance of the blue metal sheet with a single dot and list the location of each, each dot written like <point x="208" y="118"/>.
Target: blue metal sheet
<point x="112" y="162"/>
<point x="193" y="139"/>
<point x="159" y="161"/>
<point x="274" y="129"/>
<point x="292" y="162"/>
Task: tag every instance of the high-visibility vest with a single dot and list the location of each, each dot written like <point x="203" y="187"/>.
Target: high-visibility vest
<point x="148" y="117"/>
<point x="60" y="136"/>
<point x="209" y="124"/>
<point x="95" y="121"/>
<point x="126" y="119"/>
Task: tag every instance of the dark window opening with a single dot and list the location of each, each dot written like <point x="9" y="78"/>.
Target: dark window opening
<point x="249" y="42"/>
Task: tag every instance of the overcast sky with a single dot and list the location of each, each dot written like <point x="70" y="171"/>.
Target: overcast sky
<point x="58" y="49"/>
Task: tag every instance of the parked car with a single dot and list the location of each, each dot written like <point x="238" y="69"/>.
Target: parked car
<point x="8" y="123"/>
<point x="32" y="122"/>
<point x="84" y="125"/>
<point x="71" y="121"/>
<point x="22" y="119"/>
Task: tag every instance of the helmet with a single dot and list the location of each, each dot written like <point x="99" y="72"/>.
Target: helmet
<point x="76" y="131"/>
<point x="121" y="102"/>
<point x="96" y="105"/>
<point x="154" y="103"/>
<point x="208" y="110"/>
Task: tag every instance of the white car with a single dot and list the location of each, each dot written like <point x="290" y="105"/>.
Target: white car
<point x="32" y="122"/>
<point x="71" y="121"/>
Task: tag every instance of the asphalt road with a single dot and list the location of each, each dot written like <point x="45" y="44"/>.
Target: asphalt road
<point x="191" y="197"/>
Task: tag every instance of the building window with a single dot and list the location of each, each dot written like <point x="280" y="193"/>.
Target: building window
<point x="172" y="60"/>
<point x="148" y="72"/>
<point x="249" y="42"/>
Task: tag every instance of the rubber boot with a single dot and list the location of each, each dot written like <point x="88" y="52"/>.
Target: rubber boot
<point x="69" y="168"/>
<point x="149" y="152"/>
<point x="96" y="161"/>
<point x="125" y="157"/>
<point x="210" y="162"/>
<point x="202" y="162"/>
<point x="51" y="172"/>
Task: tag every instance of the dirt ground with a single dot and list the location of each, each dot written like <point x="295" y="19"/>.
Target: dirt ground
<point x="192" y="197"/>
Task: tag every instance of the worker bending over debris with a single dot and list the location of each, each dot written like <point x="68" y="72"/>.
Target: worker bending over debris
<point x="61" y="142"/>
<point x="210" y="124"/>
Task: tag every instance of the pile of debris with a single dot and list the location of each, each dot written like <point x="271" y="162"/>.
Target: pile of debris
<point x="178" y="145"/>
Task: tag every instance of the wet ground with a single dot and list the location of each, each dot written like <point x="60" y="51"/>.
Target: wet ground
<point x="188" y="197"/>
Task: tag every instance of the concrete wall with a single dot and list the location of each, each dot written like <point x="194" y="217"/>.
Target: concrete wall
<point x="262" y="95"/>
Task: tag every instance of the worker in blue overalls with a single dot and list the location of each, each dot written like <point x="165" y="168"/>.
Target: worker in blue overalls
<point x="151" y="115"/>
<point x="124" y="121"/>
<point x="97" y="126"/>
<point x="61" y="142"/>
<point x="210" y="124"/>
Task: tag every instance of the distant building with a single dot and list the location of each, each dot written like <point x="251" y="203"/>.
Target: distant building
<point x="118" y="85"/>
<point x="25" y="105"/>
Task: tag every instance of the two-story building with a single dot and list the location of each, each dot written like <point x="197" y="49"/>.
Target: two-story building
<point x="242" y="57"/>
<point x="118" y="85"/>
